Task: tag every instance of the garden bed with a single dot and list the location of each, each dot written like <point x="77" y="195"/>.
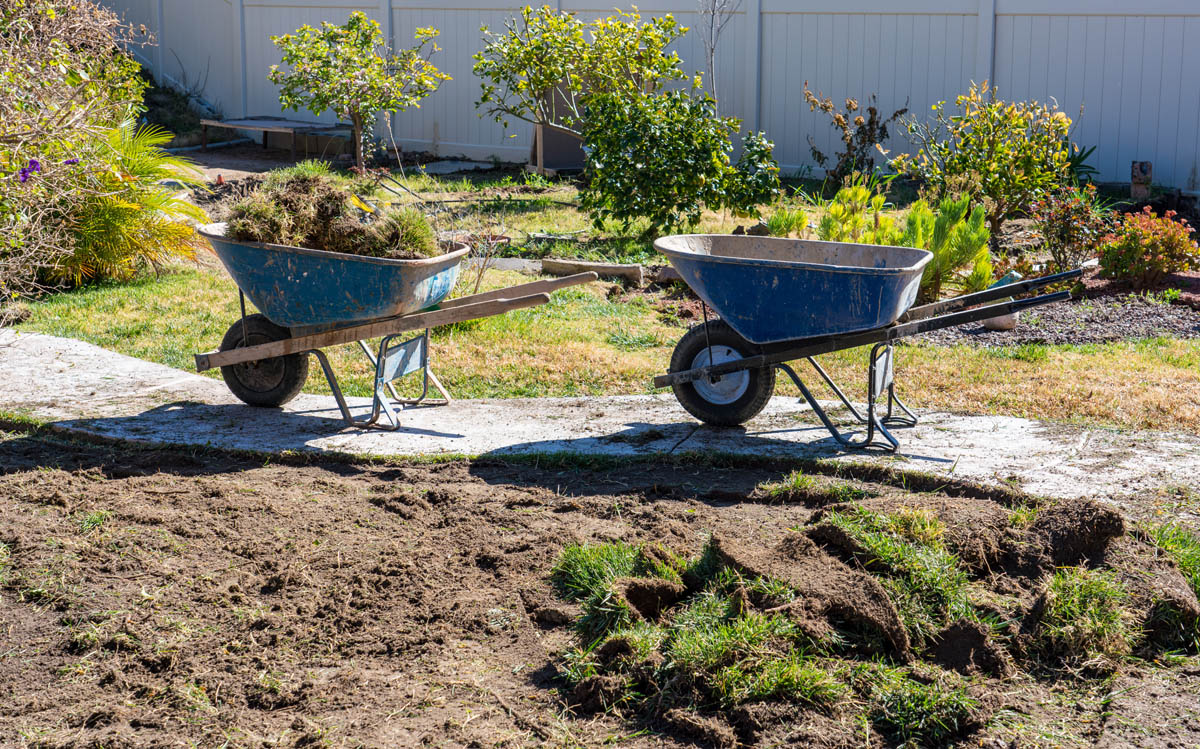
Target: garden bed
<point x="154" y="596"/>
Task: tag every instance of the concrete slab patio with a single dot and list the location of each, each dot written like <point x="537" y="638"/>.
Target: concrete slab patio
<point x="85" y="389"/>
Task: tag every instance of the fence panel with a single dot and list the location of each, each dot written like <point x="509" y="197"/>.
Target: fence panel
<point x="1132" y="71"/>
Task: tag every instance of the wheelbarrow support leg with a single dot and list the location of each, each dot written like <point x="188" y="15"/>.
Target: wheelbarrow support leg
<point x="879" y="383"/>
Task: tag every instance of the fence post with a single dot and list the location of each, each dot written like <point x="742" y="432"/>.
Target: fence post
<point x="160" y="31"/>
<point x="985" y="43"/>
<point x="239" y="53"/>
<point x="754" y="24"/>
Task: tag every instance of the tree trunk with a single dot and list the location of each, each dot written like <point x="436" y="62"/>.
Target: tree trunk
<point x="359" y="161"/>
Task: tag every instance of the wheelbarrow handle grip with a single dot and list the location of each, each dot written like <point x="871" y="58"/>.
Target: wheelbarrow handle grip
<point x="987" y="295"/>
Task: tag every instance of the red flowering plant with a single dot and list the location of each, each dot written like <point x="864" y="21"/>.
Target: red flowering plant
<point x="1146" y="247"/>
<point x="1072" y="224"/>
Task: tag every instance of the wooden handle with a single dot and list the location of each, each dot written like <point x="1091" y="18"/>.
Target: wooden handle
<point x="368" y="330"/>
<point x="535" y="287"/>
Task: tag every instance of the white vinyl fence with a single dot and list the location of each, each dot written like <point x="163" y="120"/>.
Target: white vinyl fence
<point x="1133" y="68"/>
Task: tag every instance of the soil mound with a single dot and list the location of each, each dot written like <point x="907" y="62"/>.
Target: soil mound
<point x="829" y="592"/>
<point x="966" y="647"/>
<point x="648" y="597"/>
<point x="1074" y="531"/>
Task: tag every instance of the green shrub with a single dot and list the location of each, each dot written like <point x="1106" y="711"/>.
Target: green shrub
<point x="1072" y="224"/>
<point x="1146" y="248"/>
<point x="65" y="84"/>
<point x="785" y="221"/>
<point x="1012" y="151"/>
<point x="663" y="157"/>
<point x="1085" y="618"/>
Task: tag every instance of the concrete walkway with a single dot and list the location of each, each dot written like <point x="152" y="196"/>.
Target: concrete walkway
<point x="84" y="388"/>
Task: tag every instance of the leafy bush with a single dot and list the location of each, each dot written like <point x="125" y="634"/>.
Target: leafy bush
<point x="305" y="207"/>
<point x="861" y="136"/>
<point x="65" y="83"/>
<point x="348" y="69"/>
<point x="662" y="157"/>
<point x="544" y="63"/>
<point x="1013" y="151"/>
<point x="1072" y="224"/>
<point x="1145" y="248"/>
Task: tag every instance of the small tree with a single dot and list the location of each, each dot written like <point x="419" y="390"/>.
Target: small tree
<point x="715" y="15"/>
<point x="349" y="70"/>
<point x="544" y="62"/>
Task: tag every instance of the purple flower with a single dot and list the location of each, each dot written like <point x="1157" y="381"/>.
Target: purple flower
<point x="71" y="161"/>
<point x="23" y="175"/>
<point x="34" y="166"/>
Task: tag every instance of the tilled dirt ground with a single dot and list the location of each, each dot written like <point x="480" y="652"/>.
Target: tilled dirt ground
<point x="153" y="598"/>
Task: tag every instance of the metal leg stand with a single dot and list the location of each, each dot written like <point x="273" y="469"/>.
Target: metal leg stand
<point x="391" y="363"/>
<point x="879" y="381"/>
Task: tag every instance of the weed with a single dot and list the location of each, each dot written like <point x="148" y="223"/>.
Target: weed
<point x="912" y="712"/>
<point x="1085" y="618"/>
<point x="796" y="482"/>
<point x="6" y="564"/>
<point x="1022" y="516"/>
<point x="924" y="580"/>
<point x="92" y="521"/>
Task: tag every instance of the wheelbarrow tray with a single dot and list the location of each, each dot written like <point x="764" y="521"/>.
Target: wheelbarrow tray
<point x="296" y="287"/>
<point x="771" y="289"/>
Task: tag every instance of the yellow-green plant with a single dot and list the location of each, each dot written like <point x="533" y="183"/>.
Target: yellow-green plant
<point x="957" y="237"/>
<point x="125" y="218"/>
<point x="1015" y="150"/>
<point x="349" y="69"/>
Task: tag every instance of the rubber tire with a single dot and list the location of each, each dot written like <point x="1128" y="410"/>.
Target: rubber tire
<point x="758" y="391"/>
<point x="269" y="382"/>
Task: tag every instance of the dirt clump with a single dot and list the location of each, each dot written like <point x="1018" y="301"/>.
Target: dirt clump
<point x="648" y="597"/>
<point x="829" y="592"/>
<point x="598" y="693"/>
<point x="706" y="730"/>
<point x="1076" y="530"/>
<point x="967" y="647"/>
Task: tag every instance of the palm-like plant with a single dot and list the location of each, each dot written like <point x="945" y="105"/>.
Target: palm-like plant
<point x="127" y="218"/>
<point x="957" y="240"/>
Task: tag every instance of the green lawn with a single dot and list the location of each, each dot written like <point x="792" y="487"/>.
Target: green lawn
<point x="584" y="343"/>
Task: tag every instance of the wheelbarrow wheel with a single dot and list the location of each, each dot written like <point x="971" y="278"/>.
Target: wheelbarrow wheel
<point x="731" y="399"/>
<point x="267" y="382"/>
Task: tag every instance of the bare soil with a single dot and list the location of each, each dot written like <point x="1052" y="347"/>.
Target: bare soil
<point x="154" y="598"/>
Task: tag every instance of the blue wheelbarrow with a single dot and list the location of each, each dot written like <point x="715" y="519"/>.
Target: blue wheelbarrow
<point x="781" y="300"/>
<point x="310" y="299"/>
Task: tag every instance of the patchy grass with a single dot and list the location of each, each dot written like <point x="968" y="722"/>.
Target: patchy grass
<point x="924" y="580"/>
<point x="585" y="570"/>
<point x="1182" y="545"/>
<point x="915" y="712"/>
<point x="1086" y="620"/>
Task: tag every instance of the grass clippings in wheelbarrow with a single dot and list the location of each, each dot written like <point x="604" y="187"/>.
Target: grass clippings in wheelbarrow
<point x="306" y="207"/>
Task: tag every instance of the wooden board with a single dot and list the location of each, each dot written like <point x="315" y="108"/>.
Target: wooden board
<point x="368" y="330"/>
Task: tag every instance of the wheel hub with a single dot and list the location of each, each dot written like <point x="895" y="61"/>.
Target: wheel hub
<point x="722" y="389"/>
